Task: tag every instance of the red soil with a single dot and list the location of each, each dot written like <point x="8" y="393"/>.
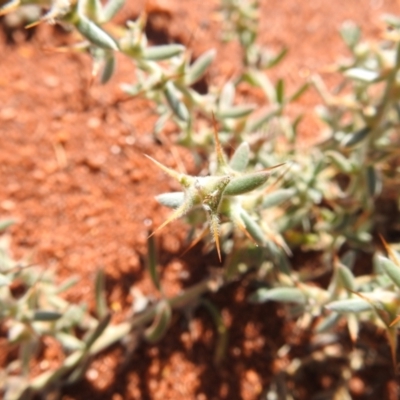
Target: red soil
<point x="72" y="172"/>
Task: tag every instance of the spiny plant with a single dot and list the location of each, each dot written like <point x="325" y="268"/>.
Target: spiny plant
<point x="373" y="298"/>
<point x="166" y="74"/>
<point x="241" y="21"/>
<point x="326" y="200"/>
<point x="362" y="118"/>
<point x="40" y="311"/>
<point x="170" y="86"/>
<point x="219" y="194"/>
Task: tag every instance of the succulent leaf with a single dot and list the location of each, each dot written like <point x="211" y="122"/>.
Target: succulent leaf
<point x="349" y="305"/>
<point x="391" y="269"/>
<point x="162" y="52"/>
<point x="282" y="294"/>
<point x="171" y="200"/>
<point x="161" y="322"/>
<point x="250" y="227"/>
<point x="95" y="34"/>
<point x="240" y="158"/>
<point x="178" y="107"/>
<point x="246" y="183"/>
<point x="111" y="8"/>
<point x="236" y="111"/>
<point x="199" y="67"/>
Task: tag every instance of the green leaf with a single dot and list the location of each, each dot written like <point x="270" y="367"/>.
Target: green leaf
<point x="108" y="69"/>
<point x="349" y="306"/>
<point x="91" y="9"/>
<point x="111" y="8"/>
<point x="5" y="223"/>
<point x="199" y="67"/>
<point x="272" y="61"/>
<point x="235" y="111"/>
<point x="177" y="106"/>
<point x="42" y="381"/>
<point x="69" y="342"/>
<point x="246" y="183"/>
<point x="95" y="34"/>
<point x="100" y="298"/>
<point x="281" y="294"/>
<point x="356" y="138"/>
<point x="251" y="227"/>
<point x="390" y="268"/>
<point x="259" y="79"/>
<point x="171" y="200"/>
<point x="97" y="332"/>
<point x="162" y="52"/>
<point x="240" y="157"/>
<point x="161" y="322"/>
<point x="4" y="280"/>
<point x="44" y="315"/>
<point x="299" y="92"/>
<point x="280" y="91"/>
<point x="255" y="124"/>
<point x="362" y="74"/>
<point x="227" y="95"/>
<point x="327" y="323"/>
<point x="132" y="90"/>
<point x="346" y="277"/>
<point x="222" y="330"/>
<point x="342" y="163"/>
<point x="392" y="20"/>
<point x="348" y="259"/>
<point x="350" y="33"/>
<point x="277" y="197"/>
<point x="67" y="284"/>
<point x="374" y="184"/>
<point x="152" y="262"/>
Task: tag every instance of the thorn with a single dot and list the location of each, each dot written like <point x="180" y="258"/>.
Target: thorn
<point x="214" y="228"/>
<point x="273" y="167"/>
<point x="33" y="24"/>
<point x="179" y="212"/>
<point x="395" y="321"/>
<point x="167" y="170"/>
<point x="79" y="46"/>
<point x="279" y="178"/>
<point x="174" y="152"/>
<point x="242" y="227"/>
<point x="9" y="6"/>
<point x="392" y="254"/>
<point x="195" y="241"/>
<point x="280" y="242"/>
<point x="218" y="248"/>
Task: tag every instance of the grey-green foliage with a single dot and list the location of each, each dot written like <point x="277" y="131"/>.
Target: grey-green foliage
<point x="225" y="195"/>
<point x="166" y="74"/>
<point x="374" y="298"/>
<point x="335" y="185"/>
<point x="334" y="193"/>
<point x="362" y="122"/>
<point x="38" y="310"/>
<point x="241" y="21"/>
<point x="170" y="86"/>
<point x="325" y="197"/>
